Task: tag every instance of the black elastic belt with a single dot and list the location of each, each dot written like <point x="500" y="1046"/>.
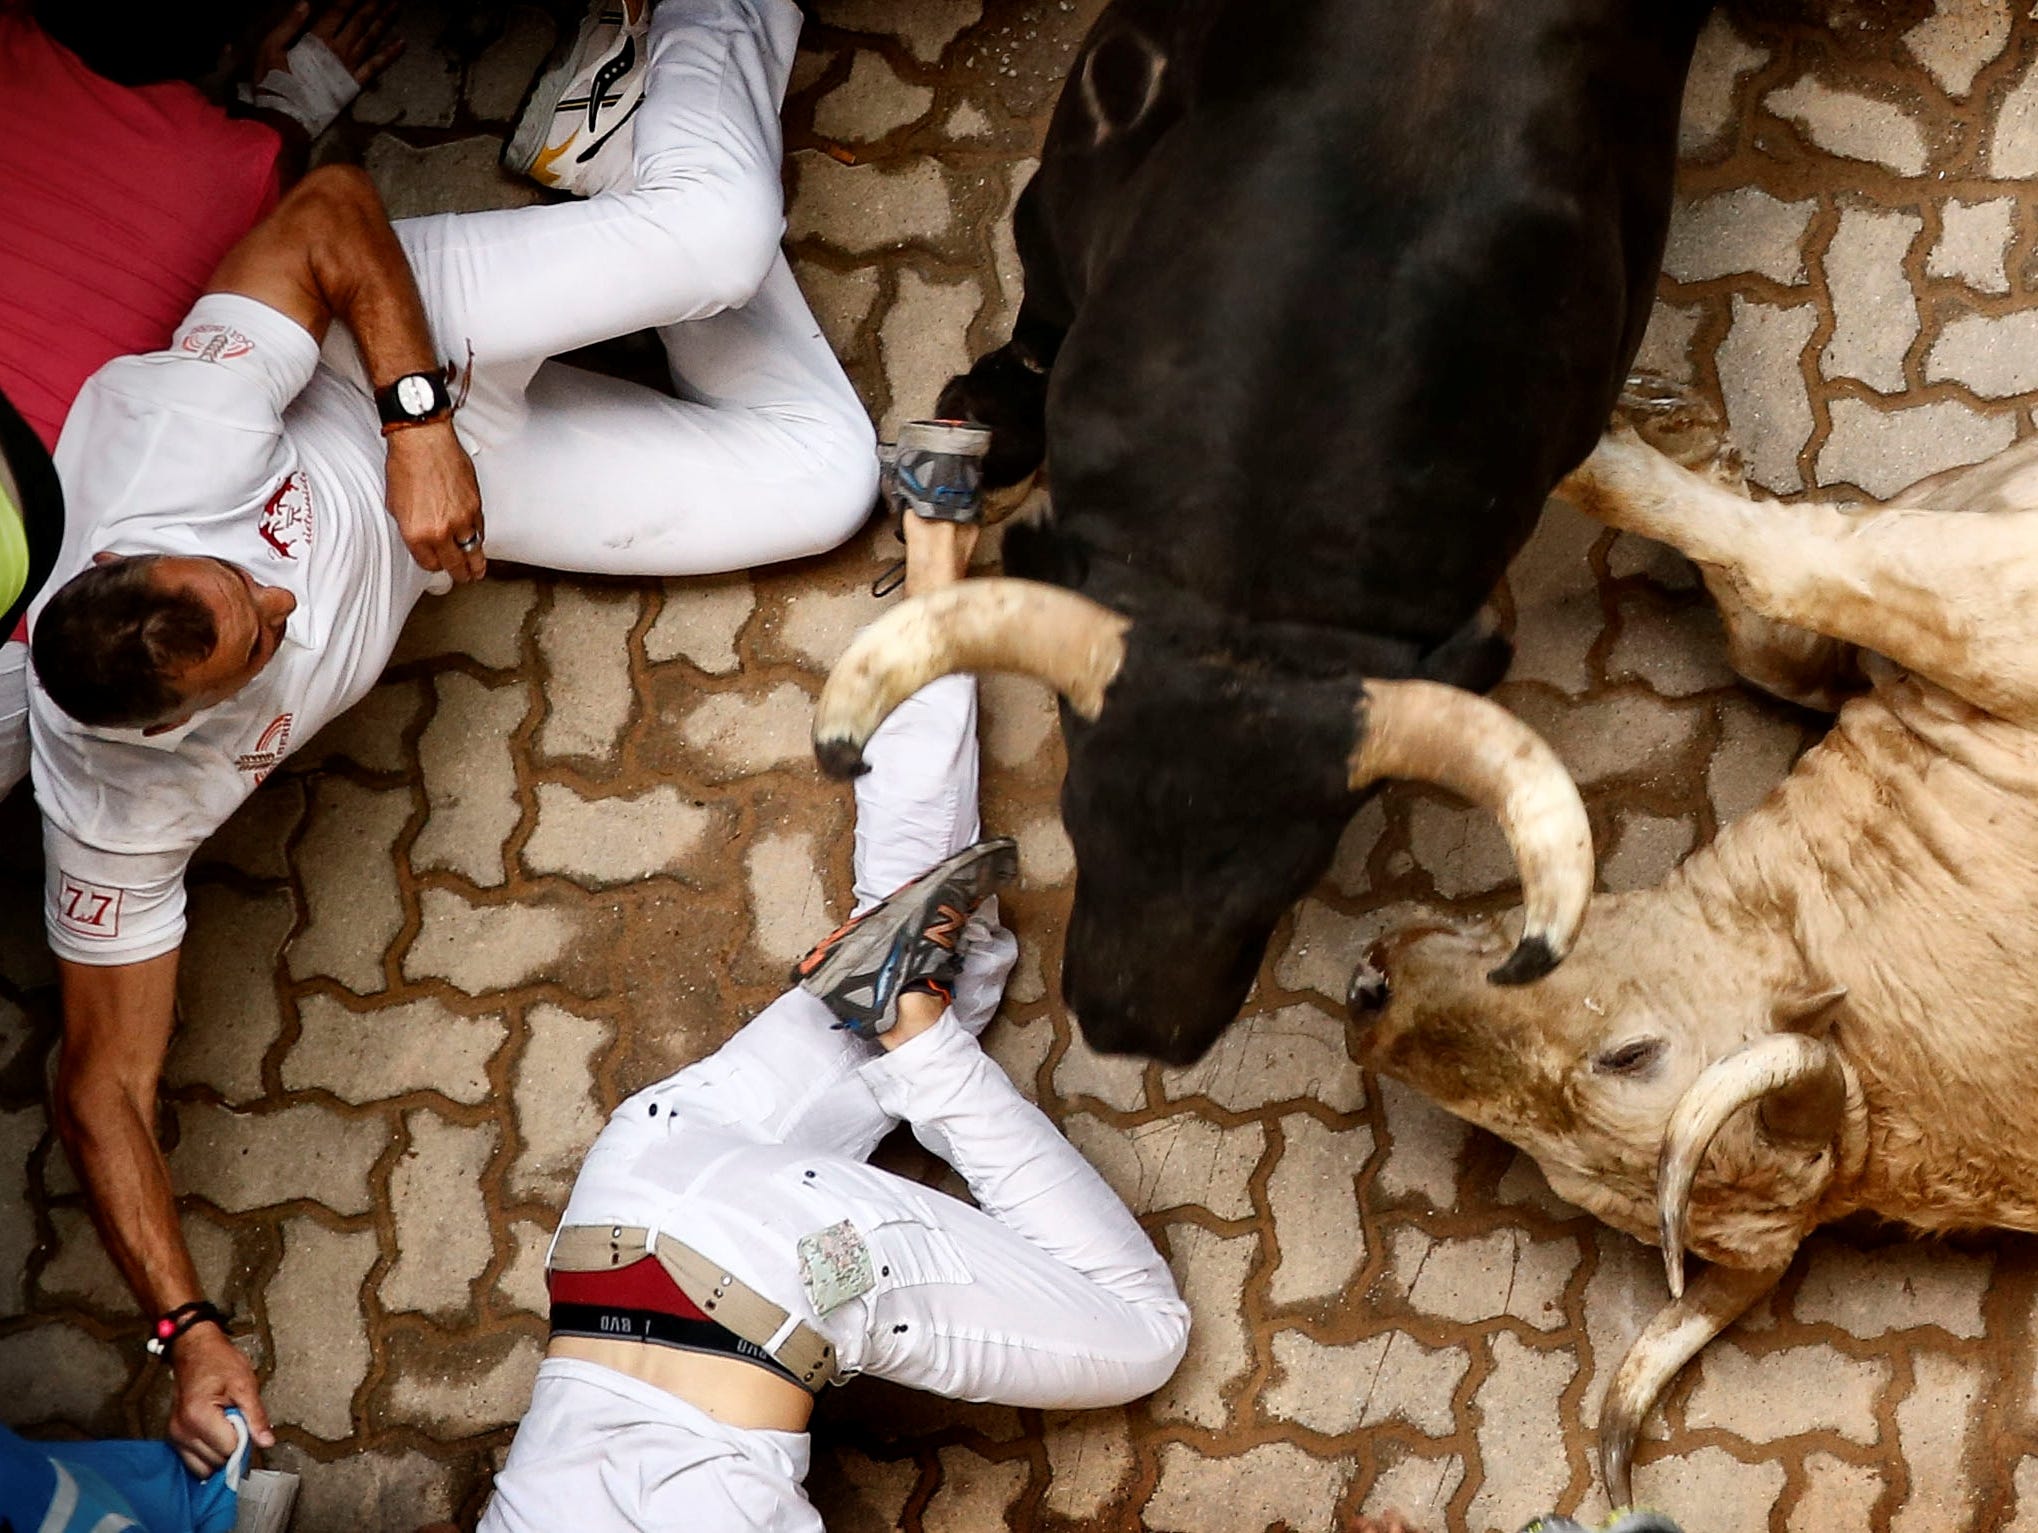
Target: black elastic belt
<point x="601" y="1323"/>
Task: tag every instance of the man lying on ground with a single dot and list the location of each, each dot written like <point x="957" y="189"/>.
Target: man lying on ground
<point x="726" y="1251"/>
<point x="246" y="538"/>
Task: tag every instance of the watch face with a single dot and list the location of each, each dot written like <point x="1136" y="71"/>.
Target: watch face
<point x="414" y="395"/>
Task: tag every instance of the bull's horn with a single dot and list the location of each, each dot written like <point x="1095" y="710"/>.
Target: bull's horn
<point x="1803" y="1092"/>
<point x="1433" y="733"/>
<point x="1677" y="1334"/>
<point x="1073" y="644"/>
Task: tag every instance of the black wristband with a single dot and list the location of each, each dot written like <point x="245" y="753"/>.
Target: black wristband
<point x="174" y="1323"/>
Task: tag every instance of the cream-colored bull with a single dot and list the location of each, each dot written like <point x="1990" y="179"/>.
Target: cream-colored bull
<point x="1832" y="1008"/>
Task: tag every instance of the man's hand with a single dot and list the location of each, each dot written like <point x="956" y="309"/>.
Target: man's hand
<point x="212" y="1374"/>
<point x="357" y="32"/>
<point x="433" y="495"/>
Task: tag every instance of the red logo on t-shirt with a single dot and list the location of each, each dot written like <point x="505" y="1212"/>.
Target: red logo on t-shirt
<point x="270" y="749"/>
<point x="286" y="518"/>
<point x="215" y="343"/>
<point x="89" y="910"/>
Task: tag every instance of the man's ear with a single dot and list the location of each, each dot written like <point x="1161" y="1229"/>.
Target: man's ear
<point x="107" y="556"/>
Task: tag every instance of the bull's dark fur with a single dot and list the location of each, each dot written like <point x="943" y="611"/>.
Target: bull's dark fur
<point x="1322" y="298"/>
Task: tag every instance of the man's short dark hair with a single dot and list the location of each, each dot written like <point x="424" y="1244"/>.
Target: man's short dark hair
<point x="111" y="640"/>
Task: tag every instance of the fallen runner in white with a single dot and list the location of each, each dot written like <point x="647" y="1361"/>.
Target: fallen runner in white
<point x="726" y="1251"/>
<point x="245" y="538"/>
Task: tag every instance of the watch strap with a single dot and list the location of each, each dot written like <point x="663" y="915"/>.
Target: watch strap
<point x="395" y="412"/>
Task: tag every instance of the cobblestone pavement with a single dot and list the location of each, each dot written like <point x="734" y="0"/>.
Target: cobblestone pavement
<point x="574" y="837"/>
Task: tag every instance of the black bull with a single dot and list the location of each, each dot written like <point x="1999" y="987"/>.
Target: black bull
<point x="1323" y="297"/>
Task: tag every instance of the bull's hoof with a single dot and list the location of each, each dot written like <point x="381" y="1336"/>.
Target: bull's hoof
<point x="840" y="759"/>
<point x="1532" y="958"/>
<point x="1681" y="424"/>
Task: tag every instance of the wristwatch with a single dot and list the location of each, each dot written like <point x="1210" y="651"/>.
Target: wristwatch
<point x="415" y="399"/>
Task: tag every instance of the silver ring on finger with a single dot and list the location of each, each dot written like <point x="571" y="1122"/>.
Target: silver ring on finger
<point x="468" y="544"/>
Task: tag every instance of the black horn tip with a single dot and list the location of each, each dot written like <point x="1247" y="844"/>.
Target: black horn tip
<point x="1367" y="992"/>
<point x="1532" y="958"/>
<point x="841" y="758"/>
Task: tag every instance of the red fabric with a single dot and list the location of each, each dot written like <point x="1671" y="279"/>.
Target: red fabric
<point x="116" y="205"/>
<point x="644" y="1284"/>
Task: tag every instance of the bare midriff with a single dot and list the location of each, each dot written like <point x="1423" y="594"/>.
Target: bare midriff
<point x="732" y="1391"/>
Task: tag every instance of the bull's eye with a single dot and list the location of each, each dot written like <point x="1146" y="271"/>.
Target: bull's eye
<point x="1630" y="1058"/>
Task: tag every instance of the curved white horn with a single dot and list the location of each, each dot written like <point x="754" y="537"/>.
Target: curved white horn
<point x="1073" y="644"/>
<point x="1677" y="1334"/>
<point x="1803" y="1092"/>
<point x="1433" y="733"/>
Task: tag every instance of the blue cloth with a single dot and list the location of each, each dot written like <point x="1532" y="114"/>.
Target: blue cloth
<point x="105" y="1487"/>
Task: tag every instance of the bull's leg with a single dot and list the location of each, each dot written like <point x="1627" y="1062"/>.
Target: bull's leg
<point x="1951" y="597"/>
<point x="1786" y="661"/>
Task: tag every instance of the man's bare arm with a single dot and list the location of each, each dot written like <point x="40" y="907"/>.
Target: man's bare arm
<point x="117" y="1022"/>
<point x="328" y="253"/>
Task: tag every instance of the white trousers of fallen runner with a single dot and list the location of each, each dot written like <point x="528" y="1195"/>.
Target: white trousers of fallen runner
<point x="1047" y="1294"/>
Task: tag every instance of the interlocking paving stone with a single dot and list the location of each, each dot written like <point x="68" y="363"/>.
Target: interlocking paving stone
<point x="1210" y="1270"/>
<point x="442" y="1227"/>
<point x="256" y="839"/>
<point x="353" y="902"/>
<point x="1426" y="1146"/>
<point x="922" y="342"/>
<point x="243" y="1161"/>
<point x="1837" y="1496"/>
<point x="522" y="1283"/>
<point x="1017" y="719"/>
<point x="498" y="81"/>
<point x="226" y="987"/>
<point x="1316" y="1213"/>
<point x="83" y="1273"/>
<point x="974" y="1492"/>
<point x="483" y="620"/>
<point x="926" y="27"/>
<point x="1648" y="848"/>
<point x="1419" y="1487"/>
<point x="1275" y="1056"/>
<point x="1089" y="1454"/>
<point x="366" y="1056"/>
<point x="618" y="840"/>
<point x="787" y="899"/>
<point x="1934" y="1423"/>
<point x="1117" y="1080"/>
<point x="1485" y="1277"/>
<point x="1853" y="126"/>
<point x="1047" y="859"/>
<point x="20" y="1132"/>
<point x="1885" y="452"/>
<point x="1174" y="1161"/>
<point x="2013" y="148"/>
<point x="1759" y="377"/>
<point x="1334" y="1390"/>
<point x="872" y="102"/>
<point x="481" y="948"/>
<point x="862" y="209"/>
<point x="1677" y="651"/>
<point x="1463" y="850"/>
<point x="1875" y="314"/>
<point x="1722" y="59"/>
<point x="1743" y="230"/>
<point x="1872" y="1293"/>
<point x="322" y="1352"/>
<point x="699" y="622"/>
<point x="1783" y="1394"/>
<point x="369" y="734"/>
<point x="1521" y="1432"/>
<point x="556" y="1110"/>
<point x="57" y="1372"/>
<point x="380" y="1490"/>
<point x="584" y="642"/>
<point x="481" y="1387"/>
<point x="471" y="778"/>
<point x="463" y="176"/>
<point x="1958" y="39"/>
<point x="1973" y="239"/>
<point x="1737" y="1496"/>
<point x="818" y="626"/>
<point x="740" y="736"/>
<point x="1270" y="1484"/>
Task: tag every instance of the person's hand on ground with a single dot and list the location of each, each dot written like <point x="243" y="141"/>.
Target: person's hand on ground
<point x="358" y="33"/>
<point x="212" y="1374"/>
<point x="435" y="499"/>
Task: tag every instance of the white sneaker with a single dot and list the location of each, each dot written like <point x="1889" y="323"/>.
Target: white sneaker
<point x="575" y="133"/>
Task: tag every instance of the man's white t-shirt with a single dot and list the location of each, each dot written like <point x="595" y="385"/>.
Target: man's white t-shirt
<point x="234" y="444"/>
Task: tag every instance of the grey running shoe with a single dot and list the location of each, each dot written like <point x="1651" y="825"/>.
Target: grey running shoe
<point x="1621" y="1522"/>
<point x="575" y="134"/>
<point x="934" y="471"/>
<point x="911" y="940"/>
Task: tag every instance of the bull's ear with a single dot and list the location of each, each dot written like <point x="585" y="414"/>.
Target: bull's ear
<point x="1809" y="1010"/>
